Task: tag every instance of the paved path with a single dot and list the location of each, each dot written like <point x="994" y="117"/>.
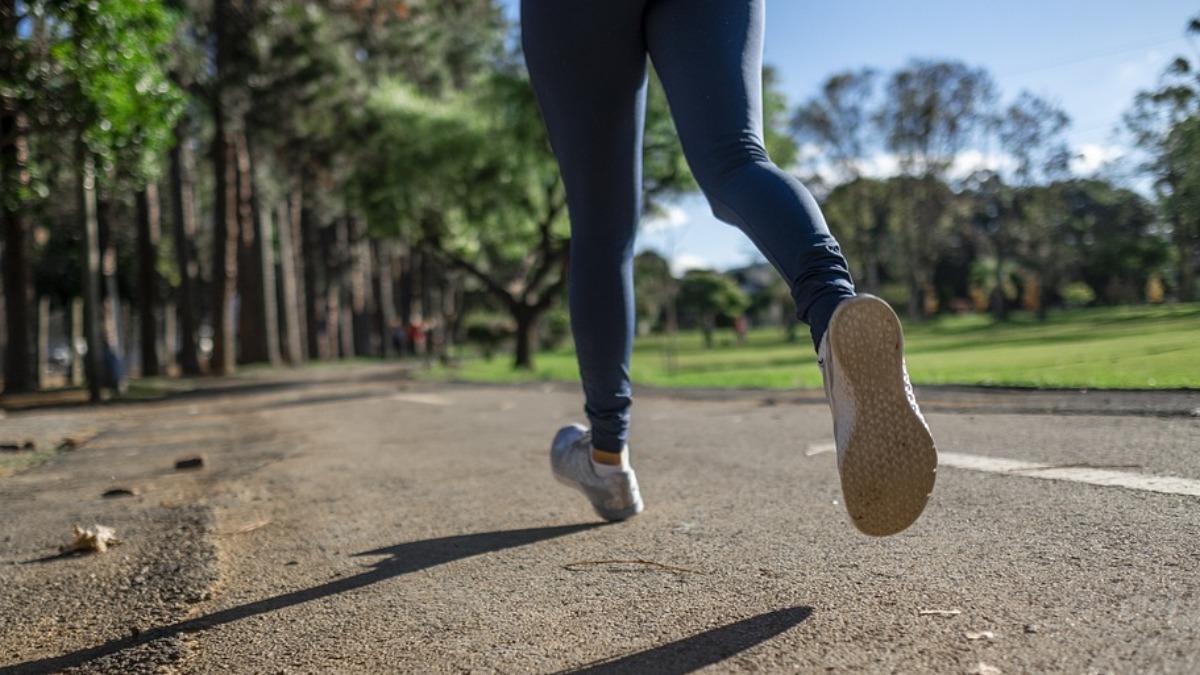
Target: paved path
<point x="350" y="520"/>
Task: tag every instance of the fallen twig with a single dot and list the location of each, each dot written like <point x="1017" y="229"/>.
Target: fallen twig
<point x="578" y="566"/>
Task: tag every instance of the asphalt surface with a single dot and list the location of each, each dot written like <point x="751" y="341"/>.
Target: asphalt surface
<point x="352" y="520"/>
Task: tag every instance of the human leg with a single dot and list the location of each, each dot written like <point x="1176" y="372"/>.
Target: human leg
<point x="708" y="54"/>
<point x="587" y="62"/>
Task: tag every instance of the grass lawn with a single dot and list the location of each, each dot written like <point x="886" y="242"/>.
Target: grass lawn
<point x="1107" y="348"/>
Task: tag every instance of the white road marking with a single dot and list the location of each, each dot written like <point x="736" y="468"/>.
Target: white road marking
<point x="819" y="448"/>
<point x="1104" y="477"/>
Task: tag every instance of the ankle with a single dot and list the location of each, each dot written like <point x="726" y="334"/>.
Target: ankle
<point x="605" y="462"/>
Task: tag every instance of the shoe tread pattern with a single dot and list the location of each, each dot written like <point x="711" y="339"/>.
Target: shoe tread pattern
<point x="889" y="464"/>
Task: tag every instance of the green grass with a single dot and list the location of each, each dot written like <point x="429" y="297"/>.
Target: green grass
<point x="1109" y="348"/>
<point x="15" y="462"/>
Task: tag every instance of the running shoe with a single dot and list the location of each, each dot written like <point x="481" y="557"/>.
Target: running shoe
<point x="886" y="455"/>
<point x="614" y="496"/>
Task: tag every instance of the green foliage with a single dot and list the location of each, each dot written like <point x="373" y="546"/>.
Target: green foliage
<point x="839" y="121"/>
<point x="1112" y="233"/>
<point x="487" y="332"/>
<point x="472" y="179"/>
<point x="653" y="286"/>
<point x="711" y="295"/>
<point x="665" y="170"/>
<point x="1164" y="124"/>
<point x="114" y="90"/>
<point x="438" y="47"/>
<point x="781" y="147"/>
<point x="1078" y="294"/>
<point x="931" y="112"/>
<point x="555" y="328"/>
<point x="864" y="217"/>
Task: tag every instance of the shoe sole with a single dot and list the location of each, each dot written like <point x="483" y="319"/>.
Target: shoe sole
<point x="611" y="516"/>
<point x="889" y="464"/>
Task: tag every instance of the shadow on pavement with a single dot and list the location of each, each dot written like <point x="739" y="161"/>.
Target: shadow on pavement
<point x="323" y="399"/>
<point x="703" y="649"/>
<point x="402" y="559"/>
<point x="249" y="383"/>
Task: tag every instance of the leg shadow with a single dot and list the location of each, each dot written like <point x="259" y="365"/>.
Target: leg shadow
<point x="401" y="559"/>
<point x="702" y="650"/>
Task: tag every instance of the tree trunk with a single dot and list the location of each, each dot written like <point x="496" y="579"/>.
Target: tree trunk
<point x="149" y="226"/>
<point x="362" y="296"/>
<point x="258" y="334"/>
<point x="183" y="185"/>
<point x="406" y="283"/>
<point x="1187" y="270"/>
<point x="871" y="263"/>
<point x="266" y="251"/>
<point x="289" y="302"/>
<point x="76" y="377"/>
<point x="225" y="202"/>
<point x="526" y="320"/>
<point x="43" y="342"/>
<point x="916" y="300"/>
<point x="225" y="250"/>
<point x="112" y="326"/>
<point x="93" y="358"/>
<point x="385" y="310"/>
<point x="999" y="301"/>
<point x="341" y="325"/>
<point x="331" y="291"/>
<point x="314" y="306"/>
<point x="18" y="370"/>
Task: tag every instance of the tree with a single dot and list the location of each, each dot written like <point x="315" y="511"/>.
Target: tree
<point x="1031" y="133"/>
<point x="126" y="109"/>
<point x="654" y="289"/>
<point x="995" y="219"/>
<point x="1163" y="123"/>
<point x="933" y="110"/>
<point x="709" y="296"/>
<point x="839" y="122"/>
<point x="1112" y="230"/>
<point x="472" y="180"/>
<point x="861" y="213"/>
<point x="14" y="200"/>
<point x="99" y="82"/>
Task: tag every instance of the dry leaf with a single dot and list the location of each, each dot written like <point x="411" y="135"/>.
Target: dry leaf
<point x="95" y="538"/>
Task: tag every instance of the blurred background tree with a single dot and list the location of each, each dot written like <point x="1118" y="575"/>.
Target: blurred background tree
<point x="223" y="182"/>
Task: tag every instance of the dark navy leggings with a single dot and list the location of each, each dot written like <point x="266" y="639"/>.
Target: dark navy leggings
<point x="588" y="63"/>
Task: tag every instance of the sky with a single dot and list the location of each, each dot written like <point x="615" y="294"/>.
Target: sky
<point x="1089" y="58"/>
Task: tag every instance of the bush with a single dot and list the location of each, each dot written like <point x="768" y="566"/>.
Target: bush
<point x="555" y="328"/>
<point x="488" y="332"/>
<point x="1078" y="294"/>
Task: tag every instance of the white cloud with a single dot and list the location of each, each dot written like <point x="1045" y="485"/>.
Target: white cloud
<point x="1090" y="158"/>
<point x="1145" y="68"/>
<point x="882" y="165"/>
<point x="969" y="161"/>
<point x="672" y="218"/>
<point x="686" y="261"/>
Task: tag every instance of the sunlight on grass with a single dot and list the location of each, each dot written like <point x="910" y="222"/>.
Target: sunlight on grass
<point x="1110" y="348"/>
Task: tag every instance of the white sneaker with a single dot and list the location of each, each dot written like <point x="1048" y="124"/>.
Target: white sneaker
<point x="614" y="496"/>
<point x="886" y="455"/>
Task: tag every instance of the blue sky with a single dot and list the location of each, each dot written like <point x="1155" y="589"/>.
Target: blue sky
<point x="1090" y="58"/>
